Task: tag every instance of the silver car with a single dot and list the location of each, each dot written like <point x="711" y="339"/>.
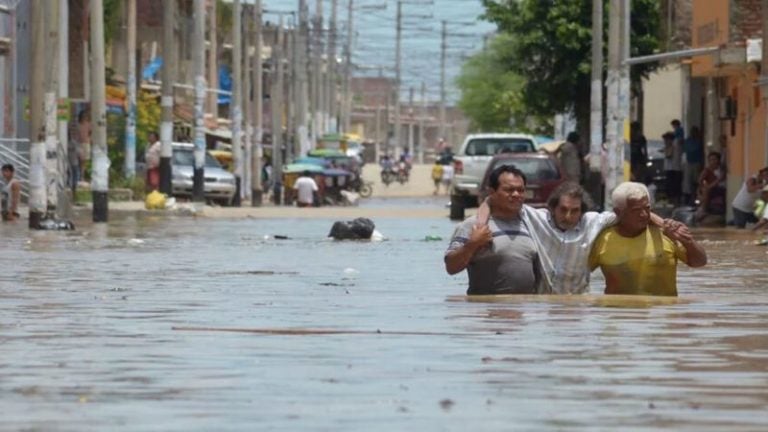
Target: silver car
<point x="219" y="183"/>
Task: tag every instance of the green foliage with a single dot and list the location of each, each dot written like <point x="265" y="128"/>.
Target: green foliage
<point x="550" y="48"/>
<point x="113" y="10"/>
<point x="148" y="116"/>
<point x="491" y="92"/>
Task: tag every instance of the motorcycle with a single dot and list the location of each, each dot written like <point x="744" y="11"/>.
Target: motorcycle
<point x="364" y="188"/>
<point x="388" y="175"/>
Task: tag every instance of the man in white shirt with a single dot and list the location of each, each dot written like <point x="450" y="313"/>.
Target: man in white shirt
<point x="306" y="188"/>
<point x="447" y="177"/>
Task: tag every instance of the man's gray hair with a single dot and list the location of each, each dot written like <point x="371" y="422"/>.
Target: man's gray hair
<point x="627" y="191"/>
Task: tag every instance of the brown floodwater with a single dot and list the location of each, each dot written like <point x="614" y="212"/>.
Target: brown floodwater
<point x="178" y="324"/>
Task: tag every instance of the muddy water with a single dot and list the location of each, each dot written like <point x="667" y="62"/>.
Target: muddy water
<point x="119" y="328"/>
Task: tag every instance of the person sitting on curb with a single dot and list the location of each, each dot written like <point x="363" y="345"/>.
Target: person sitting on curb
<point x="564" y="233"/>
<point x="635" y="257"/>
<point x="11" y="194"/>
<point x="510" y="265"/>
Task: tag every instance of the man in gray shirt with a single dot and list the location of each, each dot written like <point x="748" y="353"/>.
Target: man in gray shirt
<point x="500" y="257"/>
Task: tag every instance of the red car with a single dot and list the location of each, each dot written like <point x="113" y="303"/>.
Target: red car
<point x="542" y="174"/>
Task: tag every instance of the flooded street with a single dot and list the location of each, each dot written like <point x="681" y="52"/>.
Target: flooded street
<point x="128" y="326"/>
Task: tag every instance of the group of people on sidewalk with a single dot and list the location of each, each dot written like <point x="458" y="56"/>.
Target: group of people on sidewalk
<point x="512" y="248"/>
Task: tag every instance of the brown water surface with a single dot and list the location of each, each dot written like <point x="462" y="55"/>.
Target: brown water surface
<point x="181" y="324"/>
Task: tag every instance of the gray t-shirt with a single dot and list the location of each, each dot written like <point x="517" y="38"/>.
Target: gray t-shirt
<point x="508" y="266"/>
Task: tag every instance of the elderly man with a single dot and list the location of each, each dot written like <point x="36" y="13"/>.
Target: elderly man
<point x="510" y="264"/>
<point x="637" y="258"/>
<point x="564" y="233"/>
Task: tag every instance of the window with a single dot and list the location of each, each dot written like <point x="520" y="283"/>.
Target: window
<point x="492" y="146"/>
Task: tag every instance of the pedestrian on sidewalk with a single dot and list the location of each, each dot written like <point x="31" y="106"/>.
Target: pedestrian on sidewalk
<point x="437" y="176"/>
<point x="11" y="194"/>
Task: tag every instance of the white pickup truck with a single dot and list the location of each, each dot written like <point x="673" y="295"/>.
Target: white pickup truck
<point x="471" y="161"/>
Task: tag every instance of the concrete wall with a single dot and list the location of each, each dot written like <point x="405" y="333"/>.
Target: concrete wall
<point x="662" y="100"/>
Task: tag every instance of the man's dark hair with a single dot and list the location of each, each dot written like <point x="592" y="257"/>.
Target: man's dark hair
<point x="493" y="179"/>
<point x="305" y="173"/>
<point x="8" y="167"/>
<point x="675" y="122"/>
<point x="573" y="137"/>
<point x="573" y="190"/>
<point x="717" y="155"/>
<point x="668" y="136"/>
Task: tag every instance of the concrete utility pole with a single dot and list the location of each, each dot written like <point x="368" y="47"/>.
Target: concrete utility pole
<point x="37" y="197"/>
<point x="398" y="61"/>
<point x="302" y="33"/>
<point x="346" y="104"/>
<point x="99" y="157"/>
<point x="443" y="48"/>
<point x="213" y="59"/>
<point x="764" y="78"/>
<point x="277" y="114"/>
<point x="290" y="93"/>
<point x="422" y="117"/>
<point x="410" y="121"/>
<point x="130" y="123"/>
<point x="64" y="202"/>
<point x="166" y="102"/>
<point x="330" y="74"/>
<point x="318" y="128"/>
<point x="613" y="134"/>
<point x="50" y="103"/>
<point x="596" y="101"/>
<point x="237" y="114"/>
<point x="245" y="188"/>
<point x="258" y="110"/>
<point x="198" y="47"/>
<point x="377" y="144"/>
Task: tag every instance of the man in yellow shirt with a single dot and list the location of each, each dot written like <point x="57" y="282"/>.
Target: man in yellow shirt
<point x="637" y="258"/>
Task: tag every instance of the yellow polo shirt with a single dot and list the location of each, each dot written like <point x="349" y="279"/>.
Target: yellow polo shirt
<point x="642" y="265"/>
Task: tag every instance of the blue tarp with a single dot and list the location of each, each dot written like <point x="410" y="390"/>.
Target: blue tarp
<point x="150" y="70"/>
<point x="225" y="83"/>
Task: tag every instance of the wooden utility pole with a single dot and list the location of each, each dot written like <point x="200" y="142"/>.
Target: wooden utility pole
<point x="130" y="123"/>
<point x="258" y="110"/>
<point x="166" y="102"/>
<point x="37" y="196"/>
<point x="410" y="122"/>
<point x="213" y="59"/>
<point x="277" y="114"/>
<point x="398" y="61"/>
<point x="99" y="158"/>
<point x="237" y="114"/>
<point x="198" y="65"/>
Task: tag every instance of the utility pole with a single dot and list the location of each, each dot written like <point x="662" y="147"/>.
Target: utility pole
<point x="130" y="124"/>
<point x="596" y="102"/>
<point x="398" y="53"/>
<point x="51" y="83"/>
<point x="330" y="74"/>
<point x="443" y="48"/>
<point x="422" y="117"/>
<point x="277" y="114"/>
<point x="237" y="115"/>
<point x="198" y="45"/>
<point x="410" y="122"/>
<point x="64" y="201"/>
<point x="247" y="111"/>
<point x="318" y="128"/>
<point x="290" y="111"/>
<point x="346" y="104"/>
<point x="166" y="102"/>
<point x="613" y="135"/>
<point x="213" y="58"/>
<point x="99" y="158"/>
<point x="258" y="110"/>
<point x="37" y="197"/>
<point x="301" y="70"/>
<point x="377" y="146"/>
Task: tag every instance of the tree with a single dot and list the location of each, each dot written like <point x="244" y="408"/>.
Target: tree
<point x="550" y="49"/>
<point x="491" y="92"/>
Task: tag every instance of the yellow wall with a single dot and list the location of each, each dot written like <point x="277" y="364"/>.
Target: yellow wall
<point x="710" y="28"/>
<point x="750" y="128"/>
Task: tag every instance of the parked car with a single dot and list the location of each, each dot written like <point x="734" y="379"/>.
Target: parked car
<point x="219" y="184"/>
<point x="542" y="173"/>
<point x="471" y="162"/>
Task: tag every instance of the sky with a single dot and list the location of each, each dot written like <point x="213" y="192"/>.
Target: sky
<point x="374" y="45"/>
